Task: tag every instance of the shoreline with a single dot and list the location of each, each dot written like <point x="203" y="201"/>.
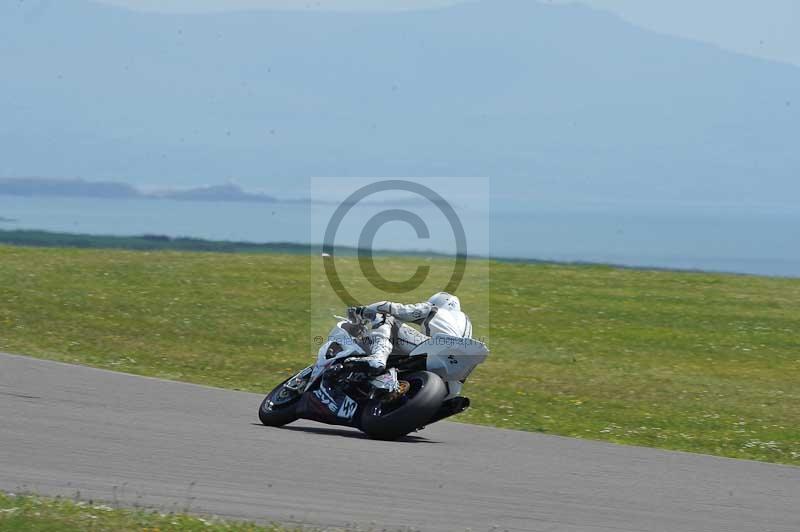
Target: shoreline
<point x="154" y="242"/>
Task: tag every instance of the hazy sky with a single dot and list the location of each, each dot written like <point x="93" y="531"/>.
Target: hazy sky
<point x="764" y="28"/>
<point x="229" y="5"/>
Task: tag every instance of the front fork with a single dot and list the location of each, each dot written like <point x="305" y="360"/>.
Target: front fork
<point x="299" y="382"/>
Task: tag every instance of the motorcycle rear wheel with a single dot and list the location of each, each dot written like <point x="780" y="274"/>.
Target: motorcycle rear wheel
<point x="279" y="408"/>
<point x="390" y="420"/>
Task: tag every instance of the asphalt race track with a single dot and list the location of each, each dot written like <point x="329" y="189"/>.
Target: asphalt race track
<point x="140" y="441"/>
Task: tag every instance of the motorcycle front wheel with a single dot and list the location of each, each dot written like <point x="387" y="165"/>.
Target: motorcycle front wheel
<point x="279" y="408"/>
<point x="392" y="419"/>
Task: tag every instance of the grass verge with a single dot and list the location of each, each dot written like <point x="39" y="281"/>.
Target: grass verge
<point x="697" y="362"/>
<point x="28" y="513"/>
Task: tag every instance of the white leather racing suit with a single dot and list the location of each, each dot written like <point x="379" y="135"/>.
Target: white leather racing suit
<point x="391" y="333"/>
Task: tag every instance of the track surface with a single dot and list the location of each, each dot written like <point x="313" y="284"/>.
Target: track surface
<point x="140" y="441"/>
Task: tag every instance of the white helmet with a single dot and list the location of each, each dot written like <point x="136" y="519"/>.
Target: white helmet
<point x="446" y="301"/>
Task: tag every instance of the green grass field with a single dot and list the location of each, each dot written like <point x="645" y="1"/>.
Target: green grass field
<point x="28" y="513"/>
<point x="697" y="362"/>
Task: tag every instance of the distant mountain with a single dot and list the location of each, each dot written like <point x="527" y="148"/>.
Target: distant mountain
<point x="66" y="188"/>
<point x="104" y="189"/>
<point x="227" y="192"/>
<point x="551" y="101"/>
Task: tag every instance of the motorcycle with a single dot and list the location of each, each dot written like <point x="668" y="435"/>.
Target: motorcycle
<point x="416" y="389"/>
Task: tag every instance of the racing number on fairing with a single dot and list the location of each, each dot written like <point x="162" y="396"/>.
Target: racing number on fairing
<point x="348" y="408"/>
<point x="452" y="359"/>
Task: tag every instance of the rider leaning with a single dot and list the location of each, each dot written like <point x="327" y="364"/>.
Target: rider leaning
<point x="440" y="314"/>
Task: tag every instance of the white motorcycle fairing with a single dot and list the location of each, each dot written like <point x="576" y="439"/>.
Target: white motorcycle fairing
<point x="346" y="346"/>
<point x="327" y="355"/>
<point x="452" y="358"/>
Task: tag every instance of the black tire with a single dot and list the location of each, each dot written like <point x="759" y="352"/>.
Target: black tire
<point x="390" y="421"/>
<point x="277" y="410"/>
